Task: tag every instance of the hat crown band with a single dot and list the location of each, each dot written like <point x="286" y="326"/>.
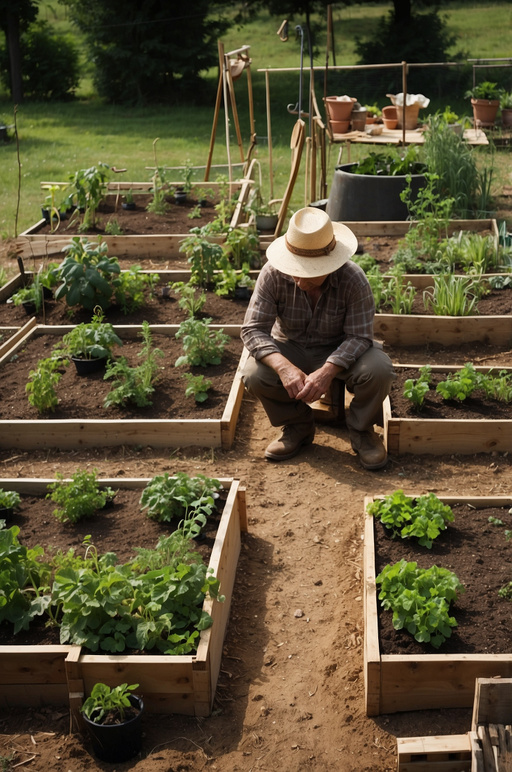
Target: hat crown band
<point x="317" y="252"/>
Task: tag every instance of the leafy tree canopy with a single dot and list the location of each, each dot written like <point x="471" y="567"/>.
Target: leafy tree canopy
<point x="148" y="50"/>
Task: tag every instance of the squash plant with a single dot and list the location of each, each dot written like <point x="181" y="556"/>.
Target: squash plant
<point x="167" y="498"/>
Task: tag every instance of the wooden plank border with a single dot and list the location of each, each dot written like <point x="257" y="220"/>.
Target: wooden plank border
<point x="397" y="682"/>
<point x="95" y="432"/>
<point x="437" y="437"/>
<point x="59" y="675"/>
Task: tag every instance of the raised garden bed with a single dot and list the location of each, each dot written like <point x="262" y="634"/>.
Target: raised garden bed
<point x="35" y="675"/>
<point x="462" y="430"/>
<point x="418" y="677"/>
<point x="74" y="425"/>
<point x="156" y="242"/>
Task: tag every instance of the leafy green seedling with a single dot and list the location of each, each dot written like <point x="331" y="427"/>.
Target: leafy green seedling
<point x="104" y="700"/>
<point x="424" y="517"/>
<point x="197" y="387"/>
<point x="78" y="498"/>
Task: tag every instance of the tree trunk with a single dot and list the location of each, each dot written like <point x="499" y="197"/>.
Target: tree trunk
<point x="402" y="11"/>
<point x="13" y="45"/>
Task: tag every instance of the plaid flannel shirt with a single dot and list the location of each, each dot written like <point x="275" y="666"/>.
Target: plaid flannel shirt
<point x="342" y="318"/>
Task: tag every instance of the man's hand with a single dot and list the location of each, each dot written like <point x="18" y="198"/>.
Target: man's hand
<point x="307" y="388"/>
<point x="292" y="378"/>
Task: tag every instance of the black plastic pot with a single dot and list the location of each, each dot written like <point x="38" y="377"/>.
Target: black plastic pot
<point x="117" y="742"/>
<point x="242" y="293"/>
<point x="180" y="196"/>
<point x="362" y="197"/>
<point x="88" y="366"/>
<point x="129" y="205"/>
<point x="6" y="513"/>
<point x="30" y="307"/>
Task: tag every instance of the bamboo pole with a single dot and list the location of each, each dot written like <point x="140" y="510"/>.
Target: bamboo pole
<point x="269" y="134"/>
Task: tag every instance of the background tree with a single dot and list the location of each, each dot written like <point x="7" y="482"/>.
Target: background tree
<point x="148" y="50"/>
<point x="15" y="16"/>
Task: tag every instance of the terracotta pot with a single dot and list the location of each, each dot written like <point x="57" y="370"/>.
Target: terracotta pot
<point x="389" y="117"/>
<point x="339" y="110"/>
<point x="411" y="116"/>
<point x="506" y="116"/>
<point x="484" y="111"/>
<point x="340" y="127"/>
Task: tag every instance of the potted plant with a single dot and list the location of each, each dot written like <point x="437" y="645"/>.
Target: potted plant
<point x="373" y="113"/>
<point x="485" y="100"/>
<point x="90" y="344"/>
<point x="113" y="717"/>
<point x="506" y="109"/>
<point x="30" y="297"/>
<point x="264" y="211"/>
<point x="452" y="120"/>
<point x="128" y="203"/>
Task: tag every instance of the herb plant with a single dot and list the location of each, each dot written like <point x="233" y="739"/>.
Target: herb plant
<point x="167" y="498"/>
<point x="134" y="384"/>
<point x="416" y="389"/>
<point x="420" y="600"/>
<point x="202" y="345"/>
<point x="78" y="498"/>
<point x="190" y="300"/>
<point x="460" y="385"/>
<point x="197" y="386"/>
<point x="130" y="287"/>
<point x="204" y="257"/>
<point x="453" y="295"/>
<point x="104" y="700"/>
<point x="423" y="517"/>
<point x="42" y="382"/>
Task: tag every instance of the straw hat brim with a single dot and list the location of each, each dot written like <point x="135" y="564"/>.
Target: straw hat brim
<point x="280" y="257"/>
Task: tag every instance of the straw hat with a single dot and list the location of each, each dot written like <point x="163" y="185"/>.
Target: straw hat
<point x="313" y="245"/>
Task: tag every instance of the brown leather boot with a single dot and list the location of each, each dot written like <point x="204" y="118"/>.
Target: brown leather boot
<point x="292" y="439"/>
<point x="369" y="447"/>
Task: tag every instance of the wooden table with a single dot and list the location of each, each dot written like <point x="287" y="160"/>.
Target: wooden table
<point x="396" y="137"/>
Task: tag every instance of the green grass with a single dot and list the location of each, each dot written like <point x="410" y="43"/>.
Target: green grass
<point x="57" y="139"/>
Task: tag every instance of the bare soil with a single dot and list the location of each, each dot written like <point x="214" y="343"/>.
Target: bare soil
<point x="83" y="396"/>
<point x="291" y="687"/>
<point x="479" y="554"/>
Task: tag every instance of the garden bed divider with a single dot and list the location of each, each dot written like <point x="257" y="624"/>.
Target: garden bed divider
<point x="398" y="682"/>
<point x="32" y="676"/>
<point x="441" y="436"/>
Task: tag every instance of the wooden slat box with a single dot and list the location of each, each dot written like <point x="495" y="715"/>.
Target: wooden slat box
<point x="60" y="675"/>
<point x="98" y="432"/>
<point x="31" y="243"/>
<point x="398" y="682"/>
<point x="439" y="753"/>
<point x="436" y="437"/>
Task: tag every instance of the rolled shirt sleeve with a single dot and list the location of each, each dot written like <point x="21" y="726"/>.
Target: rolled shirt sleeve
<point x="342" y="318"/>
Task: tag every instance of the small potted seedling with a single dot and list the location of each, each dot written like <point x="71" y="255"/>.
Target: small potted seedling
<point x="113" y="717"/>
<point x="90" y="344"/>
<point x="128" y="202"/>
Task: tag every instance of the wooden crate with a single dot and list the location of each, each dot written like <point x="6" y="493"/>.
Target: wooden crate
<point x="437" y="437"/>
<point x="439" y="753"/>
<point x="398" y="682"/>
<point x="60" y="675"/>
<point x="491" y="731"/>
<point x="98" y="432"/>
<point x="33" y="244"/>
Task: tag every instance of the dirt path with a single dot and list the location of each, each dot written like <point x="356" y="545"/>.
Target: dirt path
<point x="291" y="689"/>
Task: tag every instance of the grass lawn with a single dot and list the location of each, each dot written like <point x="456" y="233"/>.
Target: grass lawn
<point x="55" y="139"/>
